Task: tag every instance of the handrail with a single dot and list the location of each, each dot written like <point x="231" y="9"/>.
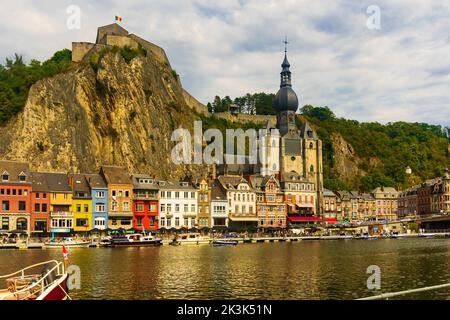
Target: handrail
<point x="41" y="280"/>
<point x="399" y="293"/>
<point x="30" y="267"/>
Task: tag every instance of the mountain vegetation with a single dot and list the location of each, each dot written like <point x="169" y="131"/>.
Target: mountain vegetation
<point x="257" y="103"/>
<point x="381" y="151"/>
<point x="385" y="150"/>
<point x="16" y="78"/>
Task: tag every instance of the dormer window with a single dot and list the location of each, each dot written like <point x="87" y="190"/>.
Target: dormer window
<point x="310" y="133"/>
<point x="5" y="176"/>
<point x="22" y="177"/>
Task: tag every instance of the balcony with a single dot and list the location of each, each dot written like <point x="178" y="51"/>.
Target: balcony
<point x="61" y="214"/>
<point x="139" y="196"/>
<point x="191" y="214"/>
<point x="128" y="214"/>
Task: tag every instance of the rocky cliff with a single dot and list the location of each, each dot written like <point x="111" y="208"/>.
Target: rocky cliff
<point x="118" y="113"/>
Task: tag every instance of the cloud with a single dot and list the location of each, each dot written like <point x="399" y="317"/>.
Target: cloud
<point x="231" y="47"/>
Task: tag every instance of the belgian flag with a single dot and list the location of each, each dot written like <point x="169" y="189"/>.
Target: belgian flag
<point x="118" y="18"/>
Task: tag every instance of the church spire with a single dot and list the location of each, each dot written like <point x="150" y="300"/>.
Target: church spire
<point x="285" y="72"/>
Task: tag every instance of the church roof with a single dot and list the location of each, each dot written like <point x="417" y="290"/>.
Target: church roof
<point x="286" y="99"/>
<point x="306" y="132"/>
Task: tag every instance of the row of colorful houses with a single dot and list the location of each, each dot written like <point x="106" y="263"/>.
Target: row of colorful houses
<point x="428" y="198"/>
<point x="59" y="203"/>
<point x="379" y="205"/>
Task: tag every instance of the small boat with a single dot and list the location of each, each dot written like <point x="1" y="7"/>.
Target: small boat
<point x="426" y="235"/>
<point x="193" y="238"/>
<point x="366" y="236"/>
<point x="134" y="240"/>
<point x="225" y="242"/>
<point x="398" y="236"/>
<point x="27" y="284"/>
<point x="68" y="243"/>
<point x="105" y="241"/>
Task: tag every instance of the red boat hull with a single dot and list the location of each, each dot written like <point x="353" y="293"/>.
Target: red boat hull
<point x="57" y="291"/>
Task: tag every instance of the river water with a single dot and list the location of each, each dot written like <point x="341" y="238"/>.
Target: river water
<point x="298" y="270"/>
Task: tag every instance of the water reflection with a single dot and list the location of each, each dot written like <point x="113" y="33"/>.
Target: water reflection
<point x="304" y="270"/>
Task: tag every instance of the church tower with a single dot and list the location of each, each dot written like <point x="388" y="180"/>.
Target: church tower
<point x="286" y="104"/>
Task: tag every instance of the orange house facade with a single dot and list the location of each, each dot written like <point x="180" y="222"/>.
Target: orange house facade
<point x="40" y="205"/>
<point x="270" y="204"/>
<point x="120" y="195"/>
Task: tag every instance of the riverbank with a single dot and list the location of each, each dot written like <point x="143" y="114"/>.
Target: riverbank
<point x="251" y="239"/>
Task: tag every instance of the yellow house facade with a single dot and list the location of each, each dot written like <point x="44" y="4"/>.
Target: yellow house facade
<point x="61" y="213"/>
<point x="81" y="203"/>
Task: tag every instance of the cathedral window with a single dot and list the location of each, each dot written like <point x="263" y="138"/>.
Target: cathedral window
<point x="311" y="169"/>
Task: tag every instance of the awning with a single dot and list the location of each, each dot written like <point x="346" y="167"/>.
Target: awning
<point x="331" y="220"/>
<point x="305" y="205"/>
<point x="305" y="218"/>
<point x="251" y="219"/>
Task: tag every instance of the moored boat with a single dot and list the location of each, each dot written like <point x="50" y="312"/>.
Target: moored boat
<point x="26" y="284"/>
<point x="426" y="235"/>
<point x="225" y="242"/>
<point x="134" y="240"/>
<point x="193" y="238"/>
<point x="68" y="243"/>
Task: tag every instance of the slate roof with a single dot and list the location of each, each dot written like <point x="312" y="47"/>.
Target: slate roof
<point x="152" y="185"/>
<point x="115" y="175"/>
<point x="96" y="181"/>
<point x="14" y="169"/>
<point x="57" y="182"/>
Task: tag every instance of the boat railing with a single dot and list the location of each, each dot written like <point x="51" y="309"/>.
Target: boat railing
<point x="58" y="267"/>
<point x="405" y="292"/>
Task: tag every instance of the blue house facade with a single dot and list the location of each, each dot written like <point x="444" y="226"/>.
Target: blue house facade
<point x="99" y="193"/>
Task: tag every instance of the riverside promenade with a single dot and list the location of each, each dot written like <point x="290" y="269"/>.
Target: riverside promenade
<point x="252" y="239"/>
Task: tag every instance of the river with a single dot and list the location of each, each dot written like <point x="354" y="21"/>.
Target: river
<point x="298" y="270"/>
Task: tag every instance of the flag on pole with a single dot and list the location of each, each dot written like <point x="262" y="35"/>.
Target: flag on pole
<point x="65" y="252"/>
<point x="119" y="18"/>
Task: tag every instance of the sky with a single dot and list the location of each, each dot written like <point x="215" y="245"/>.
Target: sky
<point x="395" y="68"/>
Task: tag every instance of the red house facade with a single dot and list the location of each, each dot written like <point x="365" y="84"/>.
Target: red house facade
<point x="145" y="203"/>
<point x="15" y="196"/>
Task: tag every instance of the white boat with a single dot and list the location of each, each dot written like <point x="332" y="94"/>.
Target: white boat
<point x="68" y="243"/>
<point x="27" y="284"/>
<point x="193" y="238"/>
<point x="427" y="235"/>
<point x="225" y="242"/>
<point x="134" y="240"/>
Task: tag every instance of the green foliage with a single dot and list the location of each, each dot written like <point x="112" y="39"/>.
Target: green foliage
<point x="16" y="78"/>
<point x="258" y="103"/>
<point x="394" y="146"/>
<point x="126" y="52"/>
<point x="175" y="74"/>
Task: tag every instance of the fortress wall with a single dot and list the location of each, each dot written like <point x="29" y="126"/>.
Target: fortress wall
<point x="260" y="119"/>
<point x="80" y="49"/>
<point x="158" y="52"/>
<point x="121" y="41"/>
<point x="194" y="103"/>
